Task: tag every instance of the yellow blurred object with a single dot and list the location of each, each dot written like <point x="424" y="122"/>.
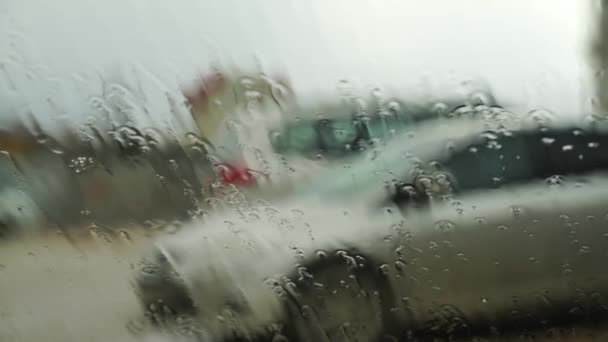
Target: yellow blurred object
<point x="18" y="142"/>
<point x="221" y="96"/>
<point x="209" y="103"/>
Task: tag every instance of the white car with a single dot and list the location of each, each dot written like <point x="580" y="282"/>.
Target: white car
<point x="495" y="262"/>
<point x="431" y="257"/>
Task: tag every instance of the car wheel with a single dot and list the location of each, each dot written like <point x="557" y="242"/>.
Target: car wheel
<point x="339" y="297"/>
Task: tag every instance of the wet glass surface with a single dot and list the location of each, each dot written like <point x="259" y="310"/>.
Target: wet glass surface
<point x="302" y="171"/>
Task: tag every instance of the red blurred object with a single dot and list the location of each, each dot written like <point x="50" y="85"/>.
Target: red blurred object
<point x="236" y="174"/>
<point x="208" y="86"/>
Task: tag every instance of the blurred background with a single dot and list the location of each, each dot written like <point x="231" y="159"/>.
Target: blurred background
<point x="74" y="65"/>
<point x="109" y="116"/>
<point x="531" y="52"/>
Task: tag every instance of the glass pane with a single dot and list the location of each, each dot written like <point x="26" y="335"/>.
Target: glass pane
<point x="305" y="171"/>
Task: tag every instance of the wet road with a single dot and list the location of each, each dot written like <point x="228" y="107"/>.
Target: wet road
<point x="53" y="290"/>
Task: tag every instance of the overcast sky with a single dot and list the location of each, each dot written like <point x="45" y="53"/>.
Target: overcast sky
<point x="532" y="51"/>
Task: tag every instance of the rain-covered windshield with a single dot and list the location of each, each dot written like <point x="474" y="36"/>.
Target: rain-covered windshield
<point x="203" y="170"/>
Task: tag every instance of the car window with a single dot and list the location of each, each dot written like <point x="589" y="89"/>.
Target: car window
<point x="515" y="157"/>
<point x="534" y="154"/>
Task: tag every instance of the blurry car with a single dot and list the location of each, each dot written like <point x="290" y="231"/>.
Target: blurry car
<point x="124" y="166"/>
<point x="470" y="169"/>
<point x="257" y="121"/>
<point x="341" y="130"/>
<point x="444" y="157"/>
<point x="495" y="263"/>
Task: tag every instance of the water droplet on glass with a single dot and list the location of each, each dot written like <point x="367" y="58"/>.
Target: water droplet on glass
<point x="503" y="228"/>
<point x="125" y="235"/>
<point x="445" y="225"/>
<point x="516" y="211"/>
<point x="585" y="249"/>
<point x="547" y="140"/>
<point x="555" y="180"/>
<point x="385" y="269"/>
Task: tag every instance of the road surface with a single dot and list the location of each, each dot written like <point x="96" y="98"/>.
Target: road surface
<point x="54" y="290"/>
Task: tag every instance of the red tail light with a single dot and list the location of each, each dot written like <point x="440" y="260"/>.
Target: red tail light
<point x="236" y="174"/>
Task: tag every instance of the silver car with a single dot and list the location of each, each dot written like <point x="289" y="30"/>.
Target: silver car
<point x="493" y="262"/>
<point x="508" y="204"/>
